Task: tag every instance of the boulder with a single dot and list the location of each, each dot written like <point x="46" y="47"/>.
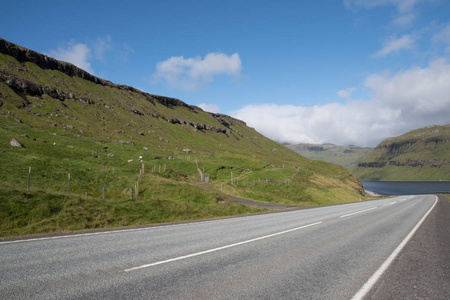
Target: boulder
<point x="16" y="143"/>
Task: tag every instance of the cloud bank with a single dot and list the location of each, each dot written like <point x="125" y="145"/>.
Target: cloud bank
<point x="409" y="99"/>
<point x="191" y="74"/>
<point x="77" y="54"/>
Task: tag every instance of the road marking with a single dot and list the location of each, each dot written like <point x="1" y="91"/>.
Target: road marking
<point x="378" y="273"/>
<point x="219" y="248"/>
<point x="358" y="212"/>
<point x="105" y="232"/>
<point x="390" y="203"/>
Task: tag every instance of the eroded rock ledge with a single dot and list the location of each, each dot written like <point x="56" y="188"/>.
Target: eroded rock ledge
<point x="48" y="63"/>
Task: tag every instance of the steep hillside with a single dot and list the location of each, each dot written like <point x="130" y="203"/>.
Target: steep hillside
<point x="345" y="156"/>
<point x="422" y="154"/>
<point x="97" y="154"/>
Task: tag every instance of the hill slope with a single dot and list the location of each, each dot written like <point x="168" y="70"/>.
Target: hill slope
<point x="345" y="156"/>
<point x="422" y="154"/>
<point x="108" y="155"/>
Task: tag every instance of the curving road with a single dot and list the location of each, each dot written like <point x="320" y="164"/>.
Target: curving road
<point x="319" y="253"/>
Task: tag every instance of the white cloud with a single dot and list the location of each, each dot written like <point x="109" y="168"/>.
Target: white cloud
<point x="401" y="102"/>
<point x="77" y="54"/>
<point x="402" y="5"/>
<point x="191" y="74"/>
<point x="394" y="45"/>
<point x="100" y="46"/>
<point x="405" y="8"/>
<point x="347" y="93"/>
<point x="443" y="36"/>
<point x="126" y="52"/>
<point x="418" y="92"/>
<point x="209" y="107"/>
<point x="82" y="55"/>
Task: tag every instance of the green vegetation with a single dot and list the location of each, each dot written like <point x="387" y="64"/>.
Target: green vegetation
<point x="114" y="140"/>
<point x="421" y="154"/>
<point x="345" y="156"/>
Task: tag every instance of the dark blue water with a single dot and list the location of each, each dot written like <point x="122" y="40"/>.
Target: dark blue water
<point x="407" y="187"/>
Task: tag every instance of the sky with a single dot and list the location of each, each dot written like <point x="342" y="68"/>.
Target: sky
<point x="347" y="72"/>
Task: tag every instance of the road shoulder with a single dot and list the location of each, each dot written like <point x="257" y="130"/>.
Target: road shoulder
<point x="422" y="270"/>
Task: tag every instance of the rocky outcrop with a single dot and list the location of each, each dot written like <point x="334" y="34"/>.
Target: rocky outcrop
<point x="199" y="126"/>
<point x="16" y="143"/>
<point x="226" y="121"/>
<point x="420" y="149"/>
<point x="48" y="63"/>
<point x="434" y="163"/>
<point x="393" y="149"/>
<point x="25" y="87"/>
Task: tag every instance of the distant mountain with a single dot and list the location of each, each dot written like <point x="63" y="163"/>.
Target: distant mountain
<point x="345" y="156"/>
<point x="80" y="152"/>
<point x="422" y="154"/>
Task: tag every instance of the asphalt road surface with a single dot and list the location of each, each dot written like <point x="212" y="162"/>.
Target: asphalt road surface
<point x="321" y="253"/>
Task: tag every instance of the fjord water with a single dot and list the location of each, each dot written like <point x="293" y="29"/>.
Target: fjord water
<point x="407" y="187"/>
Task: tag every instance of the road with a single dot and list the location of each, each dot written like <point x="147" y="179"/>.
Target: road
<point x="319" y="253"/>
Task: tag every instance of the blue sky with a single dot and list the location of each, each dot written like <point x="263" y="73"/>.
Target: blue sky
<point x="339" y="71"/>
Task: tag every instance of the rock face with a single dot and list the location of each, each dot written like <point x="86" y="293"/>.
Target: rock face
<point x="423" y="152"/>
<point x="26" y="55"/>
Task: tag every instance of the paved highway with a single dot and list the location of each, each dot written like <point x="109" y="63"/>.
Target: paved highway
<point x="331" y="252"/>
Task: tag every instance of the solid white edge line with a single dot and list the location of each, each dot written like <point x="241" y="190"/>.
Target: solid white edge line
<point x="378" y="273"/>
<point x="357" y="212"/>
<point x="104" y="232"/>
<point x="219" y="248"/>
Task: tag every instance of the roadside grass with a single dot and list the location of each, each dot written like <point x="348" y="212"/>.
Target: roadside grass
<point x="23" y="213"/>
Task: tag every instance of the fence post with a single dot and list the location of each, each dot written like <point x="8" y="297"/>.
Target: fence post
<point x="137" y="189"/>
<point x="28" y="182"/>
<point x="68" y="184"/>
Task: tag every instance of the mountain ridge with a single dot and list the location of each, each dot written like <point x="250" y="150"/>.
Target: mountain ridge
<point x="23" y="54"/>
<point x="346" y="156"/>
<point x="420" y="154"/>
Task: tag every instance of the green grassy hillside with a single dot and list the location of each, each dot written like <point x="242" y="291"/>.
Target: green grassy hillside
<point x="422" y="154"/>
<point x="133" y="158"/>
<point x="345" y="156"/>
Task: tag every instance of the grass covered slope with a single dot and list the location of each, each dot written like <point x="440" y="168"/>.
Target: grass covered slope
<point x="133" y="158"/>
<point x="345" y="156"/>
<point x="422" y="154"/>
